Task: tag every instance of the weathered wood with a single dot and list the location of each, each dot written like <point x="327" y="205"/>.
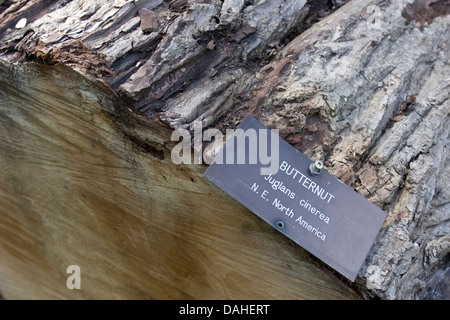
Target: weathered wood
<point x="362" y="85"/>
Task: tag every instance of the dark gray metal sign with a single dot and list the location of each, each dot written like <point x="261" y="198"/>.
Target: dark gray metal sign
<point x="318" y="212"/>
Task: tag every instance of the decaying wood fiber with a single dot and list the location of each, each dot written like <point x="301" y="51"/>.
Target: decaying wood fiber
<point x="362" y="85"/>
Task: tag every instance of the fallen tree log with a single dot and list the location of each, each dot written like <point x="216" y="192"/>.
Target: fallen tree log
<point x="87" y="177"/>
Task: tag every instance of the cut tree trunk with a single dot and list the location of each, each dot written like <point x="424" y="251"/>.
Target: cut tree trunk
<point x="90" y="93"/>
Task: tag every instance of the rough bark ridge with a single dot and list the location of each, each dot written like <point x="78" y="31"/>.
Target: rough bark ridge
<point x="364" y="87"/>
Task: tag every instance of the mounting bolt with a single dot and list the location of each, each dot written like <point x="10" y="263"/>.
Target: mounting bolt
<point x="316" y="167"/>
<point x="279" y="224"/>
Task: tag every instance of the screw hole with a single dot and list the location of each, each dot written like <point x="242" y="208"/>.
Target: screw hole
<point x="280" y="224"/>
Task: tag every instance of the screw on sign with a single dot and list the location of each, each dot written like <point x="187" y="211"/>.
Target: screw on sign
<point x="316" y="167"/>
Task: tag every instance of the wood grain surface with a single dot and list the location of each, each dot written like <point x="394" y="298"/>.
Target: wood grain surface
<point x="79" y="186"/>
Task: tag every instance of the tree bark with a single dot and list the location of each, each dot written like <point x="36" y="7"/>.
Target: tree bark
<point x="362" y="85"/>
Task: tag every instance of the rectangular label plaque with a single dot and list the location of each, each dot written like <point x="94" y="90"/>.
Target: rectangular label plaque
<point x="318" y="212"/>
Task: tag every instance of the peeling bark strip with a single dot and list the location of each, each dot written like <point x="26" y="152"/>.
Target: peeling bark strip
<point x="362" y="85"/>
